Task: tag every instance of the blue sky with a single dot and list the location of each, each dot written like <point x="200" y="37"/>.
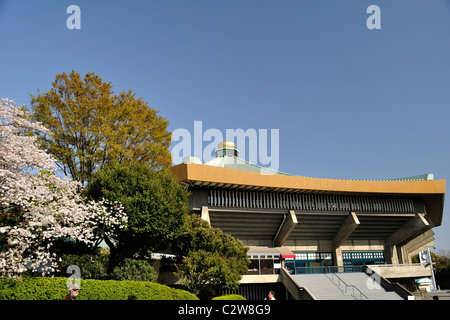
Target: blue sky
<point x="349" y="102"/>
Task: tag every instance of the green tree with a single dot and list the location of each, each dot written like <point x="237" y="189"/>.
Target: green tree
<point x="90" y="126"/>
<point x="211" y="257"/>
<point x="442" y="260"/>
<point x="92" y="266"/>
<point x="155" y="204"/>
<point x="136" y="270"/>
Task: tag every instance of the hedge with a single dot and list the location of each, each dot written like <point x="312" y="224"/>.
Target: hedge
<point x="42" y="288"/>
<point x="230" y="297"/>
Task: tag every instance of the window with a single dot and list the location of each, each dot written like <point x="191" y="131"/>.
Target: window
<point x="264" y="264"/>
<point x="253" y="268"/>
<point x="311" y="262"/>
<point x="363" y="258"/>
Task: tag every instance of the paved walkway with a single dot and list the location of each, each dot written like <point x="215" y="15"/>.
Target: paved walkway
<point x="442" y="294"/>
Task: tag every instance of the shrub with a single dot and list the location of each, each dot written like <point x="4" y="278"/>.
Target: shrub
<point x="55" y="289"/>
<point x="230" y="297"/>
<point x="137" y="270"/>
<point x="91" y="266"/>
<point x="32" y="288"/>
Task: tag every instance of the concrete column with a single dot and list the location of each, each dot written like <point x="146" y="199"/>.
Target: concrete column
<point x="349" y="225"/>
<point x="205" y="214"/>
<point x="288" y="224"/>
<point x="409" y="230"/>
<point x="391" y="253"/>
<point x="337" y="257"/>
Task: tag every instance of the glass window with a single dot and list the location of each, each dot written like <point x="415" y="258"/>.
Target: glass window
<point x="289" y="266"/>
<point x="266" y="266"/>
<point x="302" y="256"/>
<point x="313" y="256"/>
<point x="253" y="268"/>
<point x="300" y="267"/>
<point x="326" y="256"/>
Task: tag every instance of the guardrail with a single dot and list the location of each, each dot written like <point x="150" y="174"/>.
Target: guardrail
<point x="345" y="288"/>
<point x="327" y="269"/>
<point x="401" y="270"/>
<point x="296" y="291"/>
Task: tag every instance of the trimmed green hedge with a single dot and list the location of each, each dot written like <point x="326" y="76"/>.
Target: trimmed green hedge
<point x="55" y="289"/>
<point x="230" y="297"/>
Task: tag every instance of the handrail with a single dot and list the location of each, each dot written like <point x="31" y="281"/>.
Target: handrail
<point x="327" y="269"/>
<point x="297" y="291"/>
<point x="346" y="286"/>
<point x="396" y="265"/>
<point x="391" y="286"/>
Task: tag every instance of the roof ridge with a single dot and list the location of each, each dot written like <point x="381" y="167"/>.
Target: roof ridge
<point x="238" y="163"/>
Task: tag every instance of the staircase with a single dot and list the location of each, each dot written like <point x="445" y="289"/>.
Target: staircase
<point x="365" y="284"/>
<point x="320" y="286"/>
<point x="343" y="286"/>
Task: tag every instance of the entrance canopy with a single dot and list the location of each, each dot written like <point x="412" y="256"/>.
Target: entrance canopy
<point x="282" y="252"/>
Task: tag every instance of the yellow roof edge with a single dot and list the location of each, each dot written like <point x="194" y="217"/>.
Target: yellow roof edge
<point x="201" y="172"/>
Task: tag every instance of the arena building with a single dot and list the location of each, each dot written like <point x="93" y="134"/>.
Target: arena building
<point x="303" y="231"/>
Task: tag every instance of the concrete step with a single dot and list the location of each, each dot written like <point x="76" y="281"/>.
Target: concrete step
<point x="366" y="285"/>
<point x="323" y="288"/>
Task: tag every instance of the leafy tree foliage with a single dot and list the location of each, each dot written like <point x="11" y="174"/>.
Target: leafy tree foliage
<point x="156" y="206"/>
<point x="37" y="207"/>
<point x="136" y="270"/>
<point x="92" y="266"/>
<point x="211" y="258"/>
<point x="442" y="260"/>
<point x="90" y="126"/>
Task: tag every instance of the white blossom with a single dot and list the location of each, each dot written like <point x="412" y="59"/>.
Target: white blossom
<point x="49" y="206"/>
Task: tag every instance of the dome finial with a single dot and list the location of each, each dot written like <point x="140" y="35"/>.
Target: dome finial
<point x="226" y="144"/>
<point x="226" y="148"/>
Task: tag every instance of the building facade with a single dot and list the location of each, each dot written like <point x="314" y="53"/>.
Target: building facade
<point x="303" y="224"/>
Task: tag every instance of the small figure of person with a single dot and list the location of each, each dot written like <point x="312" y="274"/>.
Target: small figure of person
<point x="270" y="295"/>
<point x="72" y="292"/>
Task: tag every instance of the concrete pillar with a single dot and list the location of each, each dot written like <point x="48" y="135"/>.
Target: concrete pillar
<point x="391" y="254"/>
<point x="205" y="214"/>
<point x="288" y="224"/>
<point x="349" y="225"/>
<point x="337" y="257"/>
<point x="409" y="230"/>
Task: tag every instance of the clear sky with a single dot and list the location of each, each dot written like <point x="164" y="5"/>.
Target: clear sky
<point x="349" y="102"/>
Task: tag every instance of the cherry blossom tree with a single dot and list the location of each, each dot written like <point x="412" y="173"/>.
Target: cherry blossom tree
<point x="38" y="207"/>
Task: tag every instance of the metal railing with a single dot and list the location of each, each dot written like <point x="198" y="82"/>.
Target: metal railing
<point x="345" y="288"/>
<point x="326" y="269"/>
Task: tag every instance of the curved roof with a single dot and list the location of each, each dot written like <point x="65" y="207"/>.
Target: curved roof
<point x="203" y="175"/>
